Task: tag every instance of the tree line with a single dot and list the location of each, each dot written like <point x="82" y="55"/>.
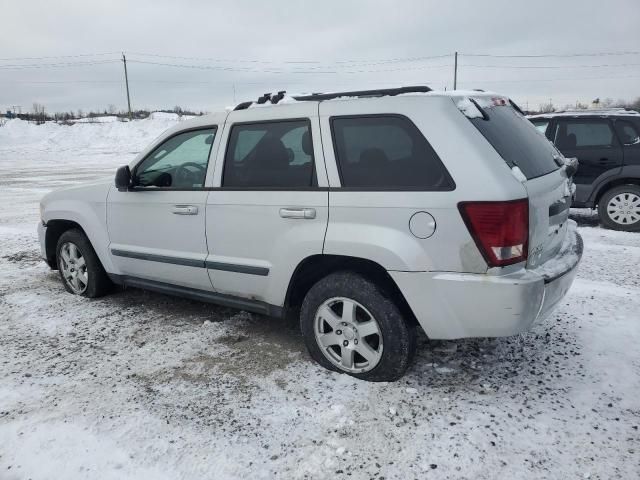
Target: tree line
<point x="39" y="115"/>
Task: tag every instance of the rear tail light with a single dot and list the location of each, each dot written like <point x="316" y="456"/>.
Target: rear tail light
<point x="500" y="229"/>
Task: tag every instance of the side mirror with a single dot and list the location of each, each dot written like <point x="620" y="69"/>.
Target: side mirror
<point x="571" y="166"/>
<point x="123" y="177"/>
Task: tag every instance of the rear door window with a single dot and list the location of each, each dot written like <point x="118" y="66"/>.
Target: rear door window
<point x="517" y="141"/>
<point x="386" y="152"/>
<point x="627" y="132"/>
<point x="277" y="154"/>
<point x="584" y="133"/>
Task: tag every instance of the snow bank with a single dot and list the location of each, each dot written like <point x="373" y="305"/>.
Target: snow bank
<point x="104" y="135"/>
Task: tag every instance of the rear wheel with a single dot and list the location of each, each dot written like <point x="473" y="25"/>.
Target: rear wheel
<point x="350" y="326"/>
<point x="79" y="266"/>
<point x="619" y="208"/>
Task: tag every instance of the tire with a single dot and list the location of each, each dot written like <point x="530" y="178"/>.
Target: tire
<point x="390" y="349"/>
<point x="79" y="266"/>
<point x="619" y="208"/>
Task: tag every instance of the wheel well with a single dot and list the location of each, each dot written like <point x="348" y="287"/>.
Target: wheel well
<point x="55" y="228"/>
<point x="615" y="183"/>
<point x="313" y="268"/>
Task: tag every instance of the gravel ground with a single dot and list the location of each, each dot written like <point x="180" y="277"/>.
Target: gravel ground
<point x="139" y="385"/>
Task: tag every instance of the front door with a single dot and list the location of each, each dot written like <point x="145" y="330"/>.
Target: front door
<point x="270" y="209"/>
<point x="157" y="227"/>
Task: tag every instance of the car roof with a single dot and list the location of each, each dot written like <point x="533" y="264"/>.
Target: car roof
<point x="609" y="112"/>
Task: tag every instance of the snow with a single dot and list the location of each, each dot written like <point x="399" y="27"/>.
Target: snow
<point x="138" y="385"/>
<point x="518" y="174"/>
<point x="588" y="112"/>
<point x="469" y="109"/>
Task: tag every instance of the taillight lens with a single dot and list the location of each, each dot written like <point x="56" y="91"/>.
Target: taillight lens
<point x="500" y="229"/>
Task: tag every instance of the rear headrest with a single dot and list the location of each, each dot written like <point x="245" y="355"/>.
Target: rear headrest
<point x="271" y="153"/>
<point x="373" y="157"/>
<point x="307" y="145"/>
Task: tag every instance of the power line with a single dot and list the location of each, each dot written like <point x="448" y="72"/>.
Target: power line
<point x="552" y="55"/>
<point x="307" y="71"/>
<point x="55" y="65"/>
<point x="60" y="56"/>
<point x="531" y="80"/>
<point x="553" y="66"/>
<point x="361" y="62"/>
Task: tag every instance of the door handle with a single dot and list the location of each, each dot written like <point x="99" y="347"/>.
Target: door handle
<point x="185" y="210"/>
<point x="304" y="213"/>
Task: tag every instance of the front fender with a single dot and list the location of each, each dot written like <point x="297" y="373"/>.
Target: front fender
<point x="86" y="206"/>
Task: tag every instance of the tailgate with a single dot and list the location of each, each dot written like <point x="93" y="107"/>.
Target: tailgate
<point x="549" y="202"/>
<point x="538" y="168"/>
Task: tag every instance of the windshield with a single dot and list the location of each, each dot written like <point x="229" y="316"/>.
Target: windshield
<point x="517" y="141"/>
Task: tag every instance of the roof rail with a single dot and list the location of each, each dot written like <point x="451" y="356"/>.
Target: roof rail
<point x="364" y="93"/>
<point x="243" y="106"/>
<point x="275" y="98"/>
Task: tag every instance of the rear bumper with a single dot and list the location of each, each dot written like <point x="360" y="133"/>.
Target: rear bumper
<point x="459" y="305"/>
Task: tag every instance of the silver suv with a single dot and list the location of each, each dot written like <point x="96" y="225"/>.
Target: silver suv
<point x="364" y="214"/>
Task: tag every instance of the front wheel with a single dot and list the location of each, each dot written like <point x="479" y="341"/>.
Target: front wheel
<point x="350" y="326"/>
<point x="79" y="266"/>
<point x="619" y="208"/>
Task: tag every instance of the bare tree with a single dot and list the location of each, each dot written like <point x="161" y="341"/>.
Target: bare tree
<point x="547" y="107"/>
<point x="39" y="113"/>
<point x="607" y="102"/>
<point x="111" y="109"/>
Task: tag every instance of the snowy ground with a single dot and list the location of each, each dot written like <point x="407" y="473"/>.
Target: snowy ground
<point x="143" y="386"/>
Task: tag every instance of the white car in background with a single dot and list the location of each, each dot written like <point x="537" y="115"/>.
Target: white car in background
<point x="365" y="214"/>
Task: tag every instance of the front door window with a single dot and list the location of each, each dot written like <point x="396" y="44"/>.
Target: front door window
<point x="179" y="162"/>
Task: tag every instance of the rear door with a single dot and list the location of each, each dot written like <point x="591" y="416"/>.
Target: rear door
<point x="594" y="143"/>
<point x="269" y="209"/>
<point x="629" y="136"/>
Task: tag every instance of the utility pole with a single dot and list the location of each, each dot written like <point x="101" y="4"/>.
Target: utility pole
<point x="455" y="72"/>
<point x="126" y="82"/>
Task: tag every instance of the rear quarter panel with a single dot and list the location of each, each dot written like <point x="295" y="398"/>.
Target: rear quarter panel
<point x="375" y="224"/>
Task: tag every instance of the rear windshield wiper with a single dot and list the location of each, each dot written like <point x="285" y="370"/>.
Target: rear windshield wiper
<point x="485" y="115"/>
<point x="516" y="107"/>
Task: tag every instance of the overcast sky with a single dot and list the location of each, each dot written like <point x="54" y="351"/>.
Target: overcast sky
<point x="240" y="49"/>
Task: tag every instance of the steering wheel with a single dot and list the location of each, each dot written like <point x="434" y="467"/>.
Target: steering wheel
<point x="184" y="176"/>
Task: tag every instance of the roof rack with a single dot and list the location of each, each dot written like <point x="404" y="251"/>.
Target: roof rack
<point x="275" y="98"/>
<point x="364" y="93"/>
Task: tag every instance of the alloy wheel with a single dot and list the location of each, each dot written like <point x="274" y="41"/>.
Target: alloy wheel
<point x="74" y="268"/>
<point x="348" y="335"/>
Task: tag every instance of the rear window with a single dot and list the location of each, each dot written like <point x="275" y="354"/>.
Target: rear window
<point x="517" y="141"/>
<point x="386" y="152"/>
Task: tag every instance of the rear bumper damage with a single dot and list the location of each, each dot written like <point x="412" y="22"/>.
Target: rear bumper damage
<point x="459" y="305"/>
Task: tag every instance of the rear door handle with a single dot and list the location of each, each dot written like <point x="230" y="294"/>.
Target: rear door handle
<point x="303" y="213"/>
<point x="185" y="210"/>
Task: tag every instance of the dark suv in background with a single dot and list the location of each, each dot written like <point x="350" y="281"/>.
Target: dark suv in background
<point x="607" y="146"/>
